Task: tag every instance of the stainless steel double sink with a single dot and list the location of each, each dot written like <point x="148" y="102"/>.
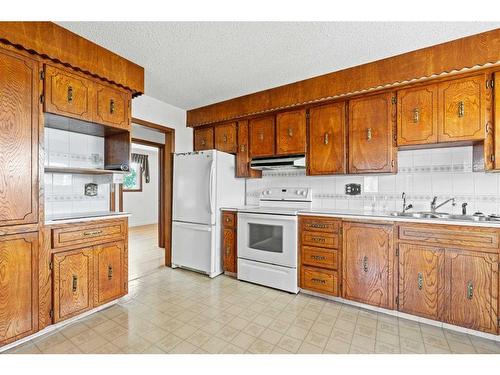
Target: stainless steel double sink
<point x="444" y="216"/>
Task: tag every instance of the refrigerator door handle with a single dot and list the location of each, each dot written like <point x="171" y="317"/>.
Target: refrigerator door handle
<point x="199" y="227"/>
<point x="210" y="187"/>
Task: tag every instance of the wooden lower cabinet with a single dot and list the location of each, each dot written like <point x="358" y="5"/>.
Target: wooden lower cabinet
<point x="421" y="280"/>
<point x="229" y="253"/>
<point x="73" y="283"/>
<point x="368" y="258"/>
<point x="18" y="286"/>
<point x="109" y="282"/>
<point x="472" y="290"/>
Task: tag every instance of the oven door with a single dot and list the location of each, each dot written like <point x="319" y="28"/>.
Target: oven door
<point x="268" y="238"/>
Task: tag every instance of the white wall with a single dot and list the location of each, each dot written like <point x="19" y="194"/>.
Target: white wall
<point x="150" y="109"/>
<point x="144" y="205"/>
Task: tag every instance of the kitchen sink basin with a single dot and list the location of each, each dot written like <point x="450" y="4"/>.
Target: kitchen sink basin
<point x="443" y="215"/>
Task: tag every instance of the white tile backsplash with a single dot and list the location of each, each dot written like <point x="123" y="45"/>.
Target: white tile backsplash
<point x="444" y="172"/>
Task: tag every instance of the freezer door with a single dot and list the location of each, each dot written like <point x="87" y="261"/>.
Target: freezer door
<point x="193" y="246"/>
<point x="194" y="187"/>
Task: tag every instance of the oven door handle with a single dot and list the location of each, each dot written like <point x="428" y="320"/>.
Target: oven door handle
<point x="268" y="217"/>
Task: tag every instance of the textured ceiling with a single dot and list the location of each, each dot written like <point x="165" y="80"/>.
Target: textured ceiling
<point x="191" y="64"/>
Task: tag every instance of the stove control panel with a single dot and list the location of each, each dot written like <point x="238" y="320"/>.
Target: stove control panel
<point x="287" y="194"/>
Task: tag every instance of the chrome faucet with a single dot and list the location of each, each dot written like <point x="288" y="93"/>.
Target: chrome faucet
<point x="435" y="206"/>
<point x="405" y="207"/>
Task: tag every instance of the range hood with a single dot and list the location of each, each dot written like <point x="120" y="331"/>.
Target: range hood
<point x="282" y="162"/>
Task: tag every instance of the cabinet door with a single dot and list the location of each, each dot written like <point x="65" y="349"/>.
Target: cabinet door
<point x="261" y="137"/>
<point x="109" y="282"/>
<point x="113" y="107"/>
<point x="421" y="281"/>
<point x="371" y="134"/>
<point x="73" y="271"/>
<point x="18" y="286"/>
<point x="68" y="94"/>
<point x="368" y="259"/>
<point x="462" y="109"/>
<point x="291" y="132"/>
<point x="203" y="139"/>
<point x="228" y="247"/>
<point x="19" y="112"/>
<point x="472" y="289"/>
<point x="417" y="116"/>
<point x="327" y="142"/>
<point x="243" y="155"/>
<point x="225" y="138"/>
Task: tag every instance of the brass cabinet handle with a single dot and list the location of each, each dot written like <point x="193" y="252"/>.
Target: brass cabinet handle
<point x="369" y="134"/>
<point x="228" y="219"/>
<point x="365" y="264"/>
<point x="242" y="148"/>
<point x="75" y="283"/>
<point x="92" y="233"/>
<point x="224" y="138"/>
<point x="70" y="94"/>
<point x="326" y="139"/>
<point x="111" y="106"/>
<point x="261" y="136"/>
<point x="318" y="257"/>
<point x="110" y="272"/>
<point x="228" y="250"/>
<point x="470" y="290"/>
<point x="320" y="281"/>
<point x="290" y="132"/>
<point x="203" y="142"/>
<point x="319" y="226"/>
<point x="420" y="280"/>
<point x="461" y="109"/>
<point x="317" y="239"/>
<point x="416" y="115"/>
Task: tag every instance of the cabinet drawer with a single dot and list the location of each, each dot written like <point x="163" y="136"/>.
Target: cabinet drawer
<point x="452" y="236"/>
<point x="83" y="234"/>
<point x="320" y="239"/>
<point x="318" y="257"/>
<point x="228" y="219"/>
<point x="320" y="280"/>
<point x="317" y="224"/>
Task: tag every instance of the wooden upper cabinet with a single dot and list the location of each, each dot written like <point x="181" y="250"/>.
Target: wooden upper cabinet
<point x="225" y="138"/>
<point x="417" y="115"/>
<point x="421" y="280"/>
<point x="462" y="109"/>
<point x="203" y="139"/>
<point x="68" y="94"/>
<point x="494" y="136"/>
<point x="19" y="143"/>
<point x="291" y="132"/>
<point x="472" y="290"/>
<point x="113" y="107"/>
<point x="18" y="286"/>
<point x="109" y="281"/>
<point x="73" y="283"/>
<point x="326" y="152"/>
<point x="261" y="132"/>
<point x="367" y="264"/>
<point x="243" y="156"/>
<point x="371" y="134"/>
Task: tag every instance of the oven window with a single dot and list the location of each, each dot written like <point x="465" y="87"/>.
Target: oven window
<point x="266" y="237"/>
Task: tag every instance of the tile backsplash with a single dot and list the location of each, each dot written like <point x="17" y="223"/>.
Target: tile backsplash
<point x="65" y="192"/>
<point x="422" y="174"/>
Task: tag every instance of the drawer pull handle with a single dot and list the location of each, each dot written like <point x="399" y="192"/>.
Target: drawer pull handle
<point x="461" y="109"/>
<point x="70" y="94"/>
<point x="92" y="233"/>
<point x="365" y="264"/>
<point x="110" y="272"/>
<point x="319" y="226"/>
<point x="369" y="134"/>
<point x="416" y="115"/>
<point x="326" y="139"/>
<point x="318" y="239"/>
<point x="319" y="281"/>
<point x="470" y="290"/>
<point x="111" y="106"/>
<point x="75" y="283"/>
<point x="420" y="280"/>
<point x="318" y="257"/>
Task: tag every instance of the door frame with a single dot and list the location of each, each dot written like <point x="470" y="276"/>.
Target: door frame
<point x="165" y="181"/>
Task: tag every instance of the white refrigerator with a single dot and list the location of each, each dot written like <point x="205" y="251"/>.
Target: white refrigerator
<point x="204" y="182"/>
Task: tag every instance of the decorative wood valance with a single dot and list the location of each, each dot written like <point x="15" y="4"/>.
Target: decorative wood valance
<point x="476" y="51"/>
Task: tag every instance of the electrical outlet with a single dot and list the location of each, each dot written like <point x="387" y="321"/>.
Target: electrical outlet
<point x="353" y="189"/>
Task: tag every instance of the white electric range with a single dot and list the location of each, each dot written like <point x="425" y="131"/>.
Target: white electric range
<point x="267" y="238"/>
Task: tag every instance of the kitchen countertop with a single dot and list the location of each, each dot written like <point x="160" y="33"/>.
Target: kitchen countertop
<point x="378" y="215"/>
<point x="87" y="216"/>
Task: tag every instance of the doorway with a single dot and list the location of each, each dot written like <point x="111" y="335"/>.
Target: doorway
<point x="151" y="221"/>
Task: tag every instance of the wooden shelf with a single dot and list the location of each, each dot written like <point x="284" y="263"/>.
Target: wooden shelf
<point x="82" y="170"/>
